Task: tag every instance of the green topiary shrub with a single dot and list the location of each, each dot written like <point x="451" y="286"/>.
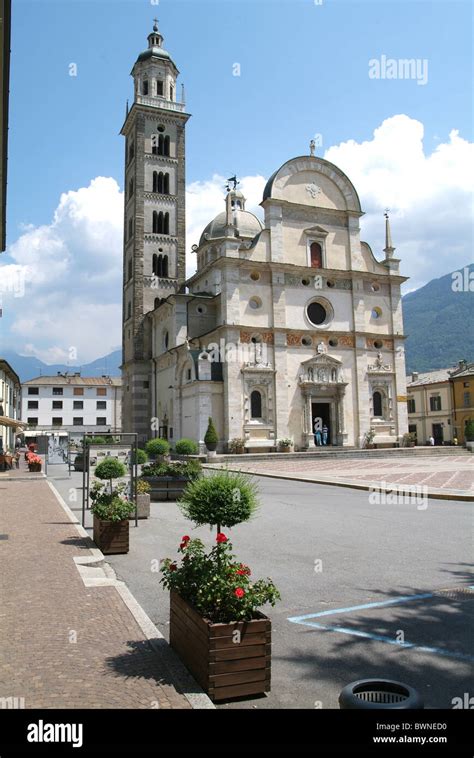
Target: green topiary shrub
<point x="110" y="468"/>
<point x="141" y="456"/>
<point x="186" y="447"/>
<point x="223" y="499"/>
<point x="211" y="438"/>
<point x="157" y="446"/>
<point x="469" y="431"/>
<point x="97" y="441"/>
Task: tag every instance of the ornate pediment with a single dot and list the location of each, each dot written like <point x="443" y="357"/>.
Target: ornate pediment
<point x="316" y="231"/>
<point x="379" y="367"/>
<point x="321" y="369"/>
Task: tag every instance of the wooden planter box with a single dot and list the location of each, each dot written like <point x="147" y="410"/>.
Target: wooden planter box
<point x="111" y="536"/>
<point x="34" y="466"/>
<point x="166" y="487"/>
<point x="224" y="668"/>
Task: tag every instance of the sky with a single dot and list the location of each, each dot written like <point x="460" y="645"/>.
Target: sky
<point x="305" y="69"/>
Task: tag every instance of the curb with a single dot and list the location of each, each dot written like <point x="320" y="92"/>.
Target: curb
<point x="195" y="696"/>
<point x="401" y="489"/>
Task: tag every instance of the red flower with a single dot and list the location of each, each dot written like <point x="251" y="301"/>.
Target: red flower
<point x="173" y="567"/>
<point x="243" y="570"/>
<point x="185" y="538"/>
<point x="239" y="592"/>
<point x="221" y="538"/>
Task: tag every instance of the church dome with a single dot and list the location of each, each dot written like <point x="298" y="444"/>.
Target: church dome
<point x="246" y="223"/>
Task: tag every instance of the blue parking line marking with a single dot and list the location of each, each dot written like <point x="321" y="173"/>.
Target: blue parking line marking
<point x="305" y="621"/>
<point x="401" y="599"/>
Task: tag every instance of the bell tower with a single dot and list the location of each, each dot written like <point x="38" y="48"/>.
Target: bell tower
<point x="154" y="218"/>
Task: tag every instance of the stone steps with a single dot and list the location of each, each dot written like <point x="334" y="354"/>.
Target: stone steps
<point x="347" y="452"/>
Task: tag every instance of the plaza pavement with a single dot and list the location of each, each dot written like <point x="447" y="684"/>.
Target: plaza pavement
<point x="441" y="476"/>
<point x="72" y="636"/>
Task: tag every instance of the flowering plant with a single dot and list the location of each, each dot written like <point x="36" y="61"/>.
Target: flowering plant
<point x="215" y="583"/>
<point x="110" y="506"/>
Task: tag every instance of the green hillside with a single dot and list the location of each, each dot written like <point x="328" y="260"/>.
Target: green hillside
<point x="439" y="324"/>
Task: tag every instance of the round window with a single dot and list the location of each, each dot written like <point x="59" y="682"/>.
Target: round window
<point x="378" y="344"/>
<point x="333" y="342"/>
<point x="376" y="312"/>
<point x="255" y="303"/>
<point x="306" y="341"/>
<point x="201" y="309"/>
<point x="256" y="339"/>
<point x="375" y="287"/>
<point x="330" y="283"/>
<point x="317" y="313"/>
<point x="255" y="276"/>
<point x="161" y="128"/>
<point x="305" y="282"/>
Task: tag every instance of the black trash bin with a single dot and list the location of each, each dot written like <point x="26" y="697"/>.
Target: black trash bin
<point x="379" y="693"/>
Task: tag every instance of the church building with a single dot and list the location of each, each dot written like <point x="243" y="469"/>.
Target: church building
<point x="288" y="326"/>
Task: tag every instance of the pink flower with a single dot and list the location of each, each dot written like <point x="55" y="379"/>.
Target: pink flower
<point x="239" y="592"/>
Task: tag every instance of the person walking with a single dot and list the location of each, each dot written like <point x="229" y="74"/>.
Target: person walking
<point x="325" y="435"/>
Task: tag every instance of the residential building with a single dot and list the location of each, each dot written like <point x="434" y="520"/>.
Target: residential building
<point x="462" y="384"/>
<point x="69" y="403"/>
<point x="10" y="417"/>
<point x="430" y="408"/>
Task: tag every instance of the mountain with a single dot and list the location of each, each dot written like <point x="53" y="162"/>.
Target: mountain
<point x="438" y="322"/>
<point x="29" y="368"/>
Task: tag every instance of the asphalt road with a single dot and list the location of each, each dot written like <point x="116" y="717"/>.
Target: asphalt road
<point x="329" y="549"/>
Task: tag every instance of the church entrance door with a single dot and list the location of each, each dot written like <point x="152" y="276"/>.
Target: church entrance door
<point x="321" y="412"/>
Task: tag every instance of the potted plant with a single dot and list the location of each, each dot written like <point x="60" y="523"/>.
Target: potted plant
<point x="111" y="508"/>
<point x="170" y="477"/>
<point x="34" y="462"/>
<point x="211" y="438"/>
<point x="237" y="446"/>
<point x="157" y="448"/>
<point x="186" y="447"/>
<point x="143" y="499"/>
<point x="141" y="456"/>
<point x="408" y="439"/>
<point x="216" y="626"/>
<point x="469" y="435"/>
<point x="285" y="445"/>
<point x="369" y="438"/>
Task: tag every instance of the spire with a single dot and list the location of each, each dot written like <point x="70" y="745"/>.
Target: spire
<point x="155" y="39"/>
<point x="389" y="248"/>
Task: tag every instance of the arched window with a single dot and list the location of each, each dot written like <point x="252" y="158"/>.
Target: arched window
<point x="166" y="184"/>
<point x="165" y="267"/>
<point x="154" y="145"/>
<point x="166" y="223"/>
<point x="166" y="146"/>
<point x="316" y="255"/>
<point x="159" y="87"/>
<point x="154" y="265"/>
<point x="160" y="183"/>
<point x="256" y="404"/>
<point x="171" y="92"/>
<point x="155" y="222"/>
<point x="377" y="403"/>
<point x="161" y="144"/>
<point x="145" y="87"/>
<point x="155" y="181"/>
<point x="160" y="265"/>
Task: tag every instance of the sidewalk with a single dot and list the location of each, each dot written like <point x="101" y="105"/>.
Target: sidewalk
<point x="65" y="644"/>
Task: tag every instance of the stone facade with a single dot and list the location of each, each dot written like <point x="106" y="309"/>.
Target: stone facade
<point x="286" y="324"/>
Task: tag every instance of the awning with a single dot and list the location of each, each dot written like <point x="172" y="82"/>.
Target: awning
<point x="40" y="433"/>
<point x="13" y="423"/>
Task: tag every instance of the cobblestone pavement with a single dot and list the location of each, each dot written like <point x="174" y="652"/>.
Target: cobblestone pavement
<point x="64" y="644"/>
<point x="452" y="473"/>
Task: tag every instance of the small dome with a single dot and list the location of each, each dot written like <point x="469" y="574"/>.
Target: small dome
<point x="248" y="226"/>
<point x="153" y="52"/>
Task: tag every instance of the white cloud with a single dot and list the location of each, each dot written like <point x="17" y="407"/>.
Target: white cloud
<point x="429" y="195"/>
<point x="71" y="269"/>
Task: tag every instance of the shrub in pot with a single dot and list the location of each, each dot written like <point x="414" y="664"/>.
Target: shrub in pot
<point x="215" y="623"/>
<point x="237" y="445"/>
<point x="143" y="499"/>
<point x="141" y="456"/>
<point x="211" y="438"/>
<point x="111" y="508"/>
<point x="157" y="448"/>
<point x="174" y="476"/>
<point x="285" y="445"/>
<point x="186" y="447"/>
